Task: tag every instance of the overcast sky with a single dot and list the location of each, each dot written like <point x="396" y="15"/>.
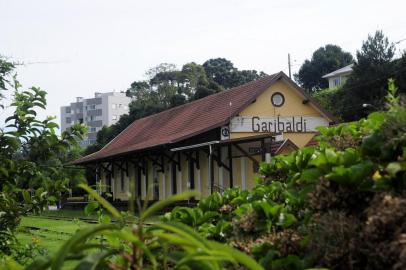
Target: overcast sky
<point x="73" y="48"/>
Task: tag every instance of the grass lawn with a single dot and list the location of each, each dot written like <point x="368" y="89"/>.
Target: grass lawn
<point x="68" y="214"/>
<point x="48" y="233"/>
<point x="51" y="229"/>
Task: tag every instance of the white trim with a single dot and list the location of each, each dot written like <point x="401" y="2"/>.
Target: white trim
<point x="143" y="185"/>
<point x="243" y="173"/>
<point x="163" y="179"/>
<point x="178" y="181"/>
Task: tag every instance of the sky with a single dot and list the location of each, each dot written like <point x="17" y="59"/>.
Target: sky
<point x="74" y="48"/>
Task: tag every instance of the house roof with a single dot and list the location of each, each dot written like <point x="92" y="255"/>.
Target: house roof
<point x="341" y="71"/>
<point x="278" y="146"/>
<point x="188" y="120"/>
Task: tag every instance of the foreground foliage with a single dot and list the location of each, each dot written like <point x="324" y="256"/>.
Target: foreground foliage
<point x="128" y="243"/>
<point x="340" y="205"/>
<point x="31" y="158"/>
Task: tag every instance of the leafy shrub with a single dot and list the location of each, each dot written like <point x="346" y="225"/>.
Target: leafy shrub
<point x="9" y="220"/>
<point x="340" y="205"/>
<point x="129" y="244"/>
<point x="32" y="156"/>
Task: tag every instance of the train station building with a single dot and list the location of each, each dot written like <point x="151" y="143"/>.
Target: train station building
<point x="209" y="144"/>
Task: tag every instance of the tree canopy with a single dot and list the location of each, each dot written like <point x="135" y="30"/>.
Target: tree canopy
<point x="365" y="89"/>
<point x="169" y="87"/>
<point x="324" y="60"/>
<point x="32" y="157"/>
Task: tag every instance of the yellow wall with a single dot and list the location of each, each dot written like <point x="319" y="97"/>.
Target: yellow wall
<point x="293" y="106"/>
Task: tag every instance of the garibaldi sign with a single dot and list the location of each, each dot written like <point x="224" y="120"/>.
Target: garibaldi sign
<point x="299" y="124"/>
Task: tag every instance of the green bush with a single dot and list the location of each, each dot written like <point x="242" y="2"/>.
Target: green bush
<point x="339" y="205"/>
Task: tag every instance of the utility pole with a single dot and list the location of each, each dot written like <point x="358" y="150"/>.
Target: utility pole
<point x="289" y="65"/>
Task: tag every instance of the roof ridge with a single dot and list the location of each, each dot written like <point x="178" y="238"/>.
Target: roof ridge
<point x="125" y="139"/>
<point x="271" y="76"/>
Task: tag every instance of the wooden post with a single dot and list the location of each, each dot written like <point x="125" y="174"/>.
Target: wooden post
<point x="211" y="170"/>
<point x="139" y="186"/>
<point x="262" y="150"/>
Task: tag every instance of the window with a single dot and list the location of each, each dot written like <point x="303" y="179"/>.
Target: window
<point x="90" y="118"/>
<point x="277" y="99"/>
<point x="92" y="129"/>
<point x="114" y="106"/>
<point x="67" y="110"/>
<point x="114" y="117"/>
<point x="68" y="120"/>
<point x="80" y="121"/>
<point x="337" y="81"/>
<point x="91" y="107"/>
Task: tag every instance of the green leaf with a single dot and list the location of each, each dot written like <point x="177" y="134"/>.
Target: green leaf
<point x="102" y="201"/>
<point x="164" y="203"/>
<point x="184" y="231"/>
<point x="394" y="167"/>
<point x="129" y="236"/>
<point x="105" y="219"/>
<point x="90" y="208"/>
<point x="311" y="175"/>
<point x="79" y="238"/>
<point x="26" y="196"/>
<point x="286" y="220"/>
<point x="11" y="264"/>
<point x="238" y="256"/>
<point x="91" y="261"/>
<point x="39" y="264"/>
<point x="331" y="156"/>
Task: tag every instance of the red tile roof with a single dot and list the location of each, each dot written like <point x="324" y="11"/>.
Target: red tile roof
<point x="185" y="121"/>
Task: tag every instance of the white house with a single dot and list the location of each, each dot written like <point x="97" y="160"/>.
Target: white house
<point x="338" y="77"/>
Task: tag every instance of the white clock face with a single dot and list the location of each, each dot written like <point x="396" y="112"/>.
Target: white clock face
<point x="277" y="99"/>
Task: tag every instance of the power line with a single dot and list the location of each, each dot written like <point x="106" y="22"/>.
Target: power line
<point x="399" y="41"/>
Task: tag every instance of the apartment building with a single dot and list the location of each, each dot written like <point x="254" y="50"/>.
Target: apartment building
<point x="104" y="109"/>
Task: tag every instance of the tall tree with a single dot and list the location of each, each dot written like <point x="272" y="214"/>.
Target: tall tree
<point x="168" y="87"/>
<point x="368" y="82"/>
<point x="6" y="68"/>
<point x="220" y="70"/>
<point x="223" y="72"/>
<point x="324" y="60"/>
<point x="32" y="157"/>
